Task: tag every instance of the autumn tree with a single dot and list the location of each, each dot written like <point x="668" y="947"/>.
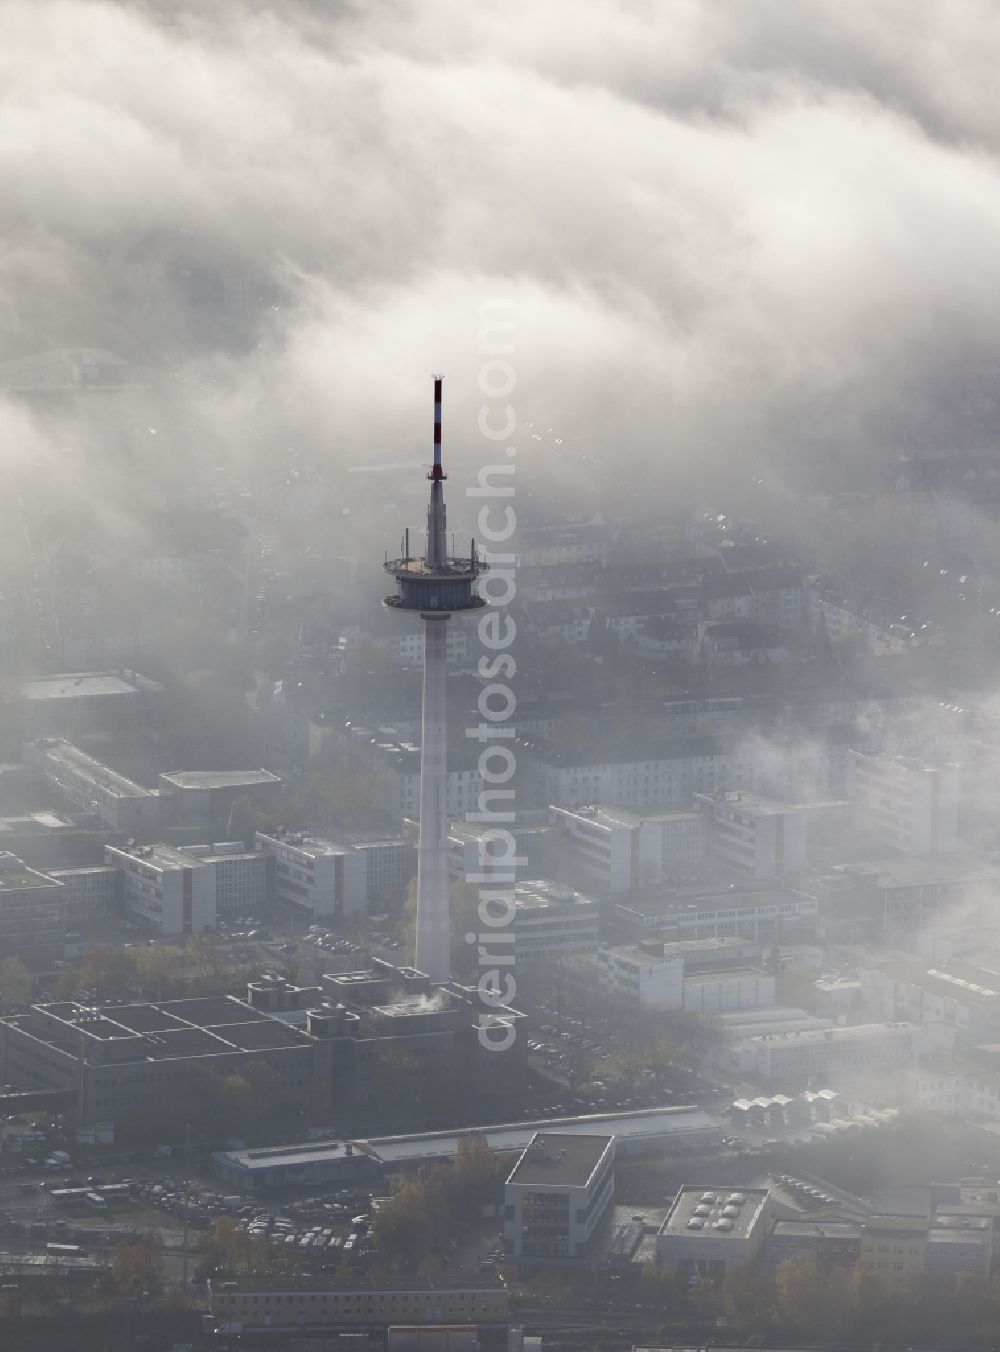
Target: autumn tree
<point x="157" y="971"/>
<point x="16" y="982"/>
<point x="135" y="1265"/>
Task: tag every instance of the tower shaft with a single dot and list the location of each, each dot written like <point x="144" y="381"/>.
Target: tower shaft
<point x="433" y="941"/>
<point x="433" y="587"/>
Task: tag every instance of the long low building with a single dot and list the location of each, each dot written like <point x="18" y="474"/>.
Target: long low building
<point x="94" y="787"/>
<point x="286" y="1302"/>
<point x="652" y="1131"/>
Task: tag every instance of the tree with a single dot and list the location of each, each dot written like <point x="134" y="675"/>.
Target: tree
<point x="16" y="982"/>
<point x="403" y="1229"/>
<point x="796" y="986"/>
<point x="108" y="972"/>
<point x="135" y="1265"/>
<point x="797" y="1284"/>
<point x="157" y="974"/>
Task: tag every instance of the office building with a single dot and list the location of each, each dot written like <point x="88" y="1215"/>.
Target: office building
<point x="557" y="1195"/>
<point x="796" y="1057"/>
<point x="655" y="975"/>
<point x="244" y="879"/>
<point x="755" y="836"/>
<point x="121" y="804"/>
<point x="164" y="889"/>
<point x="757" y="916"/>
<point x="895" y="1246"/>
<point x="711" y="1232"/>
<point x="906" y="804"/>
<point x="552" y="922"/>
<point x="315" y="878"/>
<point x="963" y="996"/>
<point x="90" y="894"/>
<point x="623" y="850"/>
<point x="832" y="1241"/>
<point x="32" y="913"/>
<point x="903" y="895"/>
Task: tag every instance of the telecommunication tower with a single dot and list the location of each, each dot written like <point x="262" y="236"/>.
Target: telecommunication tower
<point x="435" y="585"/>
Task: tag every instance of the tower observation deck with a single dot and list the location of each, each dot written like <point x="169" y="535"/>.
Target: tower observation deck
<point x="435" y="586"/>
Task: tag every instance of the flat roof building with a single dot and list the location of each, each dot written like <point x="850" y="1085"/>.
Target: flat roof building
<point x="711" y="1231"/>
<point x="557" y="1195"/>
<point x="303" y="1302"/>
<point x="905" y="803"/>
<point x="88" y="701"/>
<point x="206" y="797"/>
<point x="145" y="1061"/>
<point x="553" y="921"/>
<point x="32" y="913"/>
<point x="165" y="889"/>
<point x="316" y="878"/>
<point x="94" y="787"/>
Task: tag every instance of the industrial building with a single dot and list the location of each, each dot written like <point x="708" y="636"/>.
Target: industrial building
<point x="557" y="1195"/>
<point x="315" y="878"/>
<point x="131" y="1062"/>
<point x="121" y="804"/>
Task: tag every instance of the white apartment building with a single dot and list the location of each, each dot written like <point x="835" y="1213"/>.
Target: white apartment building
<point x="91" y="786"/>
<point x="909" y="805"/>
<point x="553" y="921"/>
<point x="316" y="878"/>
<point x="622" y="850"/>
<point x="406" y="646"/>
<point x="557" y="1195"/>
<point x="654" y="779"/>
<point x="710" y="1232"/>
<point x="165" y="890"/>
